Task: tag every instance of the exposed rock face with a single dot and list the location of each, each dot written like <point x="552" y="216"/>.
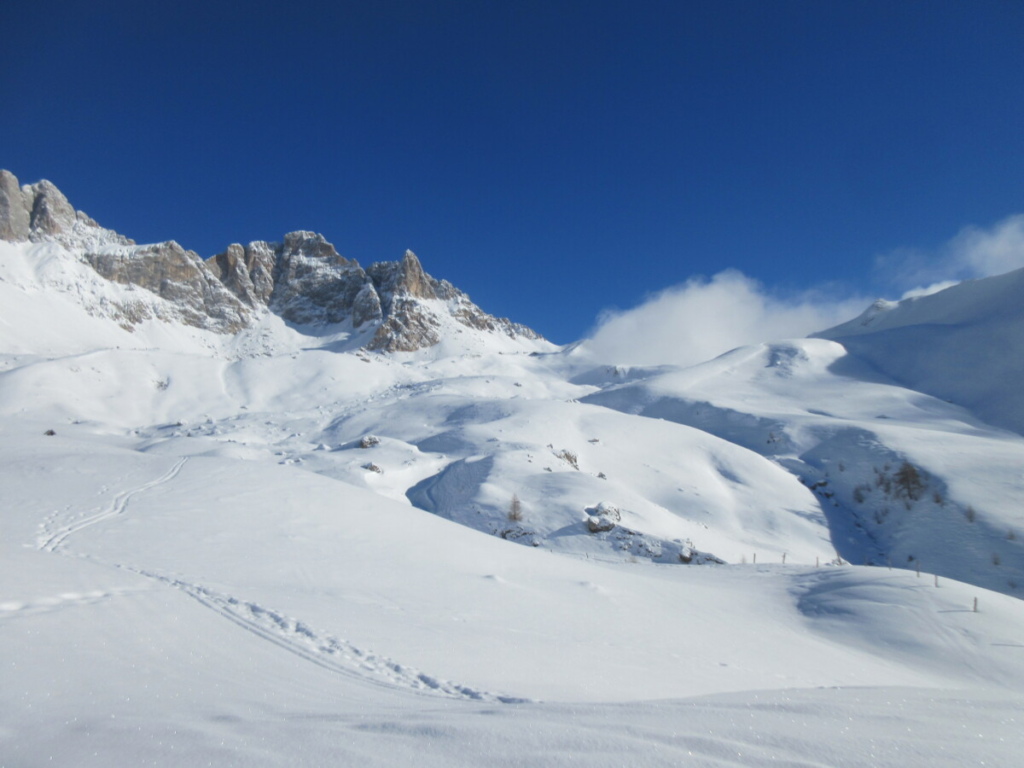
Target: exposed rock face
<point x="366" y="307"/>
<point x="302" y="279"/>
<point x="312" y="283"/>
<point x="39" y="211"/>
<point x="408" y="327"/>
<point x="248" y="272"/>
<point x="306" y="281"/>
<point x="15" y="214"/>
<point x="52" y="214"/>
<point x="233" y="270"/>
<point x="410" y="317"/>
<point x="401" y="278"/>
<point x="180" y="277"/>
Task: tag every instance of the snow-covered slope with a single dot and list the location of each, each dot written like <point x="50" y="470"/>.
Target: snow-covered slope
<point x="904" y="479"/>
<point x="962" y="344"/>
<point x="171" y="609"/>
<point x="360" y="521"/>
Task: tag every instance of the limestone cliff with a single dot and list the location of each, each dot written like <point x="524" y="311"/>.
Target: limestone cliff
<point x="303" y="279"/>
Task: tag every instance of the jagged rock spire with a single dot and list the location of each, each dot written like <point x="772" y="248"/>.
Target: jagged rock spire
<point x="303" y="279"/>
<point x="41" y="212"/>
<point x="15" y="214"/>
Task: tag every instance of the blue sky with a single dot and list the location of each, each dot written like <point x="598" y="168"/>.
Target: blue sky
<point x="553" y="159"/>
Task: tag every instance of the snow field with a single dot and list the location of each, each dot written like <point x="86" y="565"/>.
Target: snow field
<point x="204" y="564"/>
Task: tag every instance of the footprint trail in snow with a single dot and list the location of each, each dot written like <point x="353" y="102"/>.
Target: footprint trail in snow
<point x="322" y="649"/>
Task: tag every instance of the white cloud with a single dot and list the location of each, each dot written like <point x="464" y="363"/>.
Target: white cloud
<point x="701" y="319"/>
<point x="993" y="251"/>
<point x="975" y="252"/>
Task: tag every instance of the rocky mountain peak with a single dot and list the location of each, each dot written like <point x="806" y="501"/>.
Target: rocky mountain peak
<point x="404" y="278"/>
<point x="303" y="279"/>
<point x="39" y="212"/>
<point x="52" y="214"/>
<point x="306" y="281"/>
<point x="15" y="213"/>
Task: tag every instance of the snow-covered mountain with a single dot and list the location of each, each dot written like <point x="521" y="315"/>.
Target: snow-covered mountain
<point x="391" y="306"/>
<point x="417" y="521"/>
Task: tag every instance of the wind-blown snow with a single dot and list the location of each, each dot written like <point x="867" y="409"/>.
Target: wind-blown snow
<point x="700" y="319"/>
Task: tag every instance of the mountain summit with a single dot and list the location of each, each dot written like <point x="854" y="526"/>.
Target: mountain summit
<point x="39" y="212"/>
<point x="392" y="306"/>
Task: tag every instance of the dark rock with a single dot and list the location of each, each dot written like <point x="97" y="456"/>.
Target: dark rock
<point x="599" y="524"/>
<point x="14" y="209"/>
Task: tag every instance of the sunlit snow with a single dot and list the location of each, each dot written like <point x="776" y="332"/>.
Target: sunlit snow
<point x="279" y="549"/>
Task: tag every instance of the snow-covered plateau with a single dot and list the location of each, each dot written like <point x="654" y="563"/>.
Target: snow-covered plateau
<point x="276" y="509"/>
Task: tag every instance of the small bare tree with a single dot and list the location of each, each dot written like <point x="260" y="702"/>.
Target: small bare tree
<point x="515" y="509"/>
<point x="909" y="483"/>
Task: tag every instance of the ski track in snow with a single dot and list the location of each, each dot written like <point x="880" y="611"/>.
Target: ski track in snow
<point x="51" y="540"/>
<point x="330" y="653"/>
<point x="326" y="651"/>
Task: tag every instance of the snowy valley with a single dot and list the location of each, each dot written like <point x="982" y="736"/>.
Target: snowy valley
<point x="276" y="508"/>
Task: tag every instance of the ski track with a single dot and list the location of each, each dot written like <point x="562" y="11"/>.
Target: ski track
<point x="51" y="541"/>
<point x="328" y="652"/>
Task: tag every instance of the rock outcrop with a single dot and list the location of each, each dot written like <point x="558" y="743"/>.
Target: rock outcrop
<point x="412" y="302"/>
<point x="38" y="212"/>
<point x="193" y="293"/>
<point x="15" y="211"/>
<point x="303" y="279"/>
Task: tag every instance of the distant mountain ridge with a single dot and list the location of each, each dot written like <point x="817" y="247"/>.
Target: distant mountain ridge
<point x="960" y="344"/>
<point x="303" y="279"/>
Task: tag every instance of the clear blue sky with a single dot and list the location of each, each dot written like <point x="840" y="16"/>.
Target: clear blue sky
<point x="550" y="158"/>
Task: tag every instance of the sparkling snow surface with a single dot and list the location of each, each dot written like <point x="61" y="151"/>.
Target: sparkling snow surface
<point x="203" y="566"/>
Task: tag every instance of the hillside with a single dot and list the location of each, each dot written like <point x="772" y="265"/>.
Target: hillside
<point x="960" y="344"/>
<point x="258" y="510"/>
